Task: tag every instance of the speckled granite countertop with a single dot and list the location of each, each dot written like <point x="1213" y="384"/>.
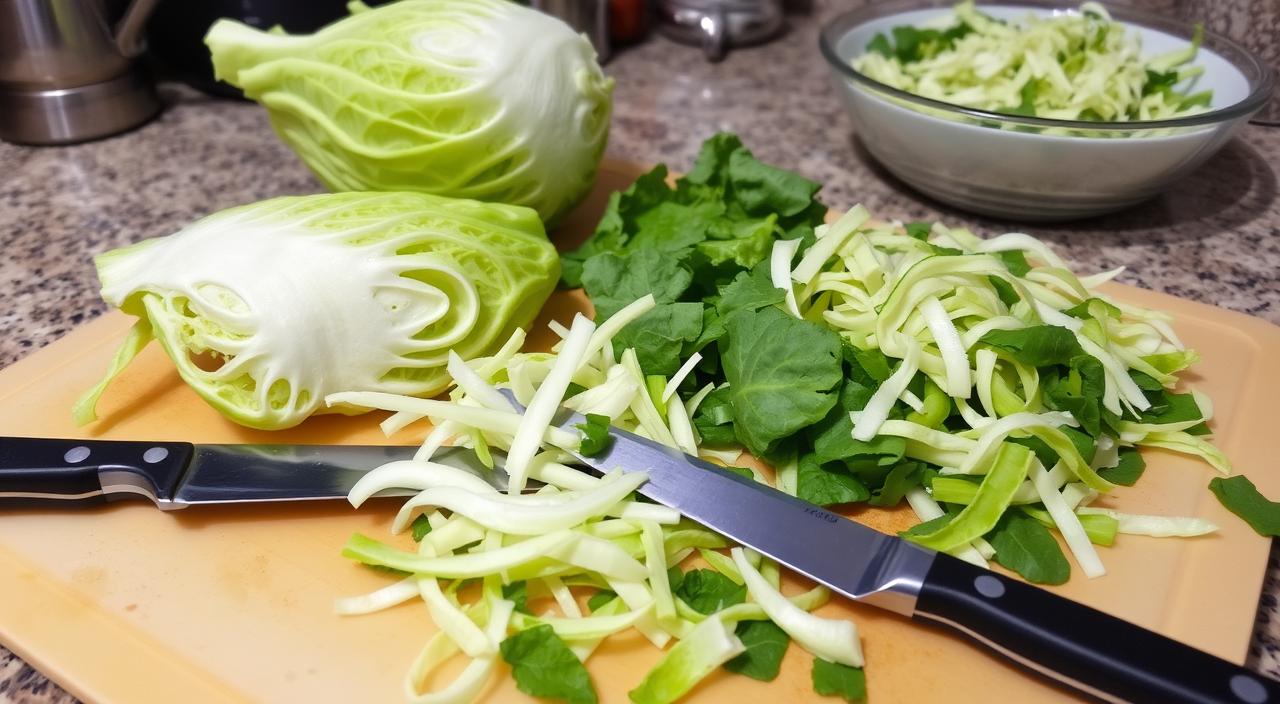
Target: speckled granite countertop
<point x="1214" y="237"/>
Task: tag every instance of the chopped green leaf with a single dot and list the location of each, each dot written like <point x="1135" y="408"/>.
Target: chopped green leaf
<point x="1027" y="100"/>
<point x="1026" y="547"/>
<point x="904" y="477"/>
<point x="832" y="679"/>
<point x="1016" y="261"/>
<point x="1159" y="82"/>
<point x="747" y="244"/>
<point x="420" y="528"/>
<point x="1079" y="391"/>
<point x="927" y="527"/>
<point x="1146" y="382"/>
<point x="918" y="230"/>
<point x="519" y="593"/>
<point x="869" y="367"/>
<point x="675" y="577"/>
<point x="599" y="599"/>
<point x="1202" y="99"/>
<point x="782" y="374"/>
<point x="1093" y="308"/>
<point x="1174" y="408"/>
<point x="544" y="666"/>
<point x="914" y="44"/>
<point x="742" y="472"/>
<point x="723" y="216"/>
<point x="1036" y="346"/>
<point x="613" y="281"/>
<point x="826" y="486"/>
<point x="708" y="591"/>
<point x="714" y="418"/>
<point x="1005" y="290"/>
<point x="880" y="45"/>
<point x="1242" y="498"/>
<point x="1083" y="443"/>
<point x="1128" y="471"/>
<point x="659" y="336"/>
<point x="595" y="435"/>
<point x="612" y="233"/>
<point x="762" y="189"/>
<point x="833" y="435"/>
<point x="751" y="291"/>
<point x="712" y="165"/>
<point x="766" y="644"/>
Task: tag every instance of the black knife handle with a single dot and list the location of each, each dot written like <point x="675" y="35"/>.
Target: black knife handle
<point x="1083" y="648"/>
<point x="37" y="471"/>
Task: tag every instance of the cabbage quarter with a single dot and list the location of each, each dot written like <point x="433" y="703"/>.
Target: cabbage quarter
<point x="267" y="308"/>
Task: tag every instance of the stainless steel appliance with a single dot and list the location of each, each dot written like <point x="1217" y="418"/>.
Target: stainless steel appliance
<point x="717" y="25"/>
<point x="68" y="70"/>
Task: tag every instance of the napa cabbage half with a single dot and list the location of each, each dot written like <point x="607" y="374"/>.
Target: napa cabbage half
<point x="269" y="307"/>
<point x="480" y="99"/>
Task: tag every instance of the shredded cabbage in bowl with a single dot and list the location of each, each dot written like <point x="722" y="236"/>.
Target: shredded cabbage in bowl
<point x="1078" y="65"/>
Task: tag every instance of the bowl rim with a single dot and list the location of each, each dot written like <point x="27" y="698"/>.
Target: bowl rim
<point x="837" y="27"/>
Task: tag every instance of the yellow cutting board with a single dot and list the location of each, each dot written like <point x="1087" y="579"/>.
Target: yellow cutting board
<point x="125" y="604"/>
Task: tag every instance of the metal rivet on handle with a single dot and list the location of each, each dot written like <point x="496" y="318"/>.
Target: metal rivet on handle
<point x="154" y="455"/>
<point x="989" y="586"/>
<point x="1248" y="689"/>
<point x="79" y="453"/>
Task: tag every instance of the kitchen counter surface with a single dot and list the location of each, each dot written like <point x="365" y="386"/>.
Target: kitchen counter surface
<point x="1215" y="237"/>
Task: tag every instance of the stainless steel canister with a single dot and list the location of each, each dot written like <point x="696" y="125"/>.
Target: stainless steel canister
<point x="68" y="71"/>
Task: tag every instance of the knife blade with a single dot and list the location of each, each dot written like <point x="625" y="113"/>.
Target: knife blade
<point x="176" y="475"/>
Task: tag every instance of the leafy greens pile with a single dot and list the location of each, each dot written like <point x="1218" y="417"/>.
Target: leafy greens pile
<point x="682" y="244"/>
<point x="981" y="381"/>
<point x="1071" y="66"/>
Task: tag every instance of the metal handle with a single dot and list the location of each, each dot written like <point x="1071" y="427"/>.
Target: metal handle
<point x="129" y="40"/>
<point x="715" y="33"/>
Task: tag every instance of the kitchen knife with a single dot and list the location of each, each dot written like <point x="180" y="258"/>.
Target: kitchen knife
<point x="179" y="474"/>
<point x="1081" y="647"/>
<point x="1090" y="651"/>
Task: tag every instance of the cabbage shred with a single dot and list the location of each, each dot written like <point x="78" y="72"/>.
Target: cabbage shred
<point x="1079" y="65"/>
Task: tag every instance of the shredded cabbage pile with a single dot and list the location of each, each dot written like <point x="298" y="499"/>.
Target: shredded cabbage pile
<point x="1070" y="66"/>
<point x="1019" y="383"/>
<point x="576" y="539"/>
